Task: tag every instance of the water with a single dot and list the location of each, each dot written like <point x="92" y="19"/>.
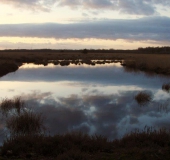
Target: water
<point x="93" y="99"/>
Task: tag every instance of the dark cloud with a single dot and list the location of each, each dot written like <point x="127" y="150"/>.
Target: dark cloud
<point x="111" y="115"/>
<point x="153" y="28"/>
<point x="136" y="7"/>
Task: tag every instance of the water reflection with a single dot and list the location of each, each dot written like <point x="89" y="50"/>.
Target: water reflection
<point x="91" y="99"/>
<point x="111" y="115"/>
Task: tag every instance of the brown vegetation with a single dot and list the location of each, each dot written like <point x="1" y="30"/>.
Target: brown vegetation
<point x="7" y="105"/>
<point x="143" y="98"/>
<point x="142" y="59"/>
<point x="27" y="141"/>
<point x="21" y="120"/>
<point x="166" y="87"/>
<point x="7" y="67"/>
<point x="148" y="144"/>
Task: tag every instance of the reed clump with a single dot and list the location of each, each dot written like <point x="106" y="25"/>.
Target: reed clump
<point x="16" y="104"/>
<point x="19" y="119"/>
<point x="166" y="87"/>
<point x="143" y="98"/>
<point x="25" y="123"/>
<point x="27" y="139"/>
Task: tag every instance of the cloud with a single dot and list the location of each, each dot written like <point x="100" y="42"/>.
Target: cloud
<point x="35" y="5"/>
<point x="152" y="28"/>
<point x="136" y="7"/>
<point x="110" y="115"/>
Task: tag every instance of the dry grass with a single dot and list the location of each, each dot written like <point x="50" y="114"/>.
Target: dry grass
<point x="25" y="123"/>
<point x="19" y="120"/>
<point x="143" y="98"/>
<point x="15" y="104"/>
<point x="149" y="142"/>
<point x="28" y="141"/>
<point x="148" y="62"/>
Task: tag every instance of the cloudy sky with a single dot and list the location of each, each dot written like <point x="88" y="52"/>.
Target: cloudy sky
<point x="78" y="24"/>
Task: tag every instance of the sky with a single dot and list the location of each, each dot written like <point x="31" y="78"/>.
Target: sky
<point x="79" y="24"/>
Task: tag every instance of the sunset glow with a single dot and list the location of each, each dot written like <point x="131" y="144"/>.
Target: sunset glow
<point x="64" y="24"/>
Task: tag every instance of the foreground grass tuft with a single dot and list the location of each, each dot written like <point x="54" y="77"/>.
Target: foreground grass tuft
<point x="148" y="143"/>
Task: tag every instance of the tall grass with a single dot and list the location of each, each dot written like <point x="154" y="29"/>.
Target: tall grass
<point x="19" y="119"/>
<point x="81" y="146"/>
<point x="155" y="63"/>
<point x="27" y="140"/>
<point x="15" y="104"/>
<point x="25" y="123"/>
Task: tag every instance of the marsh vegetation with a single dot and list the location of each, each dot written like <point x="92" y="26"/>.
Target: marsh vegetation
<point x="27" y="135"/>
<point x="143" y="98"/>
<point x="26" y="140"/>
<point x="153" y="60"/>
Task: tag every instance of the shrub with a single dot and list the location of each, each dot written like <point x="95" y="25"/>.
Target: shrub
<point x="27" y="122"/>
<point x="143" y="98"/>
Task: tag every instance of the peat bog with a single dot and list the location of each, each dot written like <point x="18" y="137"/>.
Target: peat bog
<point x="68" y="120"/>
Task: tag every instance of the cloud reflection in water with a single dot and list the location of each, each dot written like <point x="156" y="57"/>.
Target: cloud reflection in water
<point x="111" y="115"/>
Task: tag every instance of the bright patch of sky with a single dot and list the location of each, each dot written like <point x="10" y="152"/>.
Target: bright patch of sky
<point x="112" y="18"/>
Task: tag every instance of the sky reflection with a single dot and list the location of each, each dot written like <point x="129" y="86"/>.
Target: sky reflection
<point x="111" y="115"/>
<point x="89" y="99"/>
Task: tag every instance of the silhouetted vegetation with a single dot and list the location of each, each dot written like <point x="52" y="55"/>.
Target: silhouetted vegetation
<point x="15" y="104"/>
<point x="85" y="51"/>
<point x="21" y="120"/>
<point x="143" y="98"/>
<point x="150" y="59"/>
<point x="27" y="140"/>
<point x="166" y="87"/>
<point x="7" y="67"/>
<point x="135" y="145"/>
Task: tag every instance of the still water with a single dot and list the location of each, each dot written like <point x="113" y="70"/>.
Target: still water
<point x="93" y="99"/>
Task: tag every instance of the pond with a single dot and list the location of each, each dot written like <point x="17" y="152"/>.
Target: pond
<point x="92" y="99"/>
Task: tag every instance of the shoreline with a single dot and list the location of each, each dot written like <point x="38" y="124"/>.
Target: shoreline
<point x="154" y="63"/>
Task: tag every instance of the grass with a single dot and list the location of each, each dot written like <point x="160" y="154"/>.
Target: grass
<point x="7" y="105"/>
<point x="143" y="98"/>
<point x="149" y="143"/>
<point x="21" y="120"/>
<point x="27" y="122"/>
<point x="28" y="141"/>
<point x="142" y="61"/>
